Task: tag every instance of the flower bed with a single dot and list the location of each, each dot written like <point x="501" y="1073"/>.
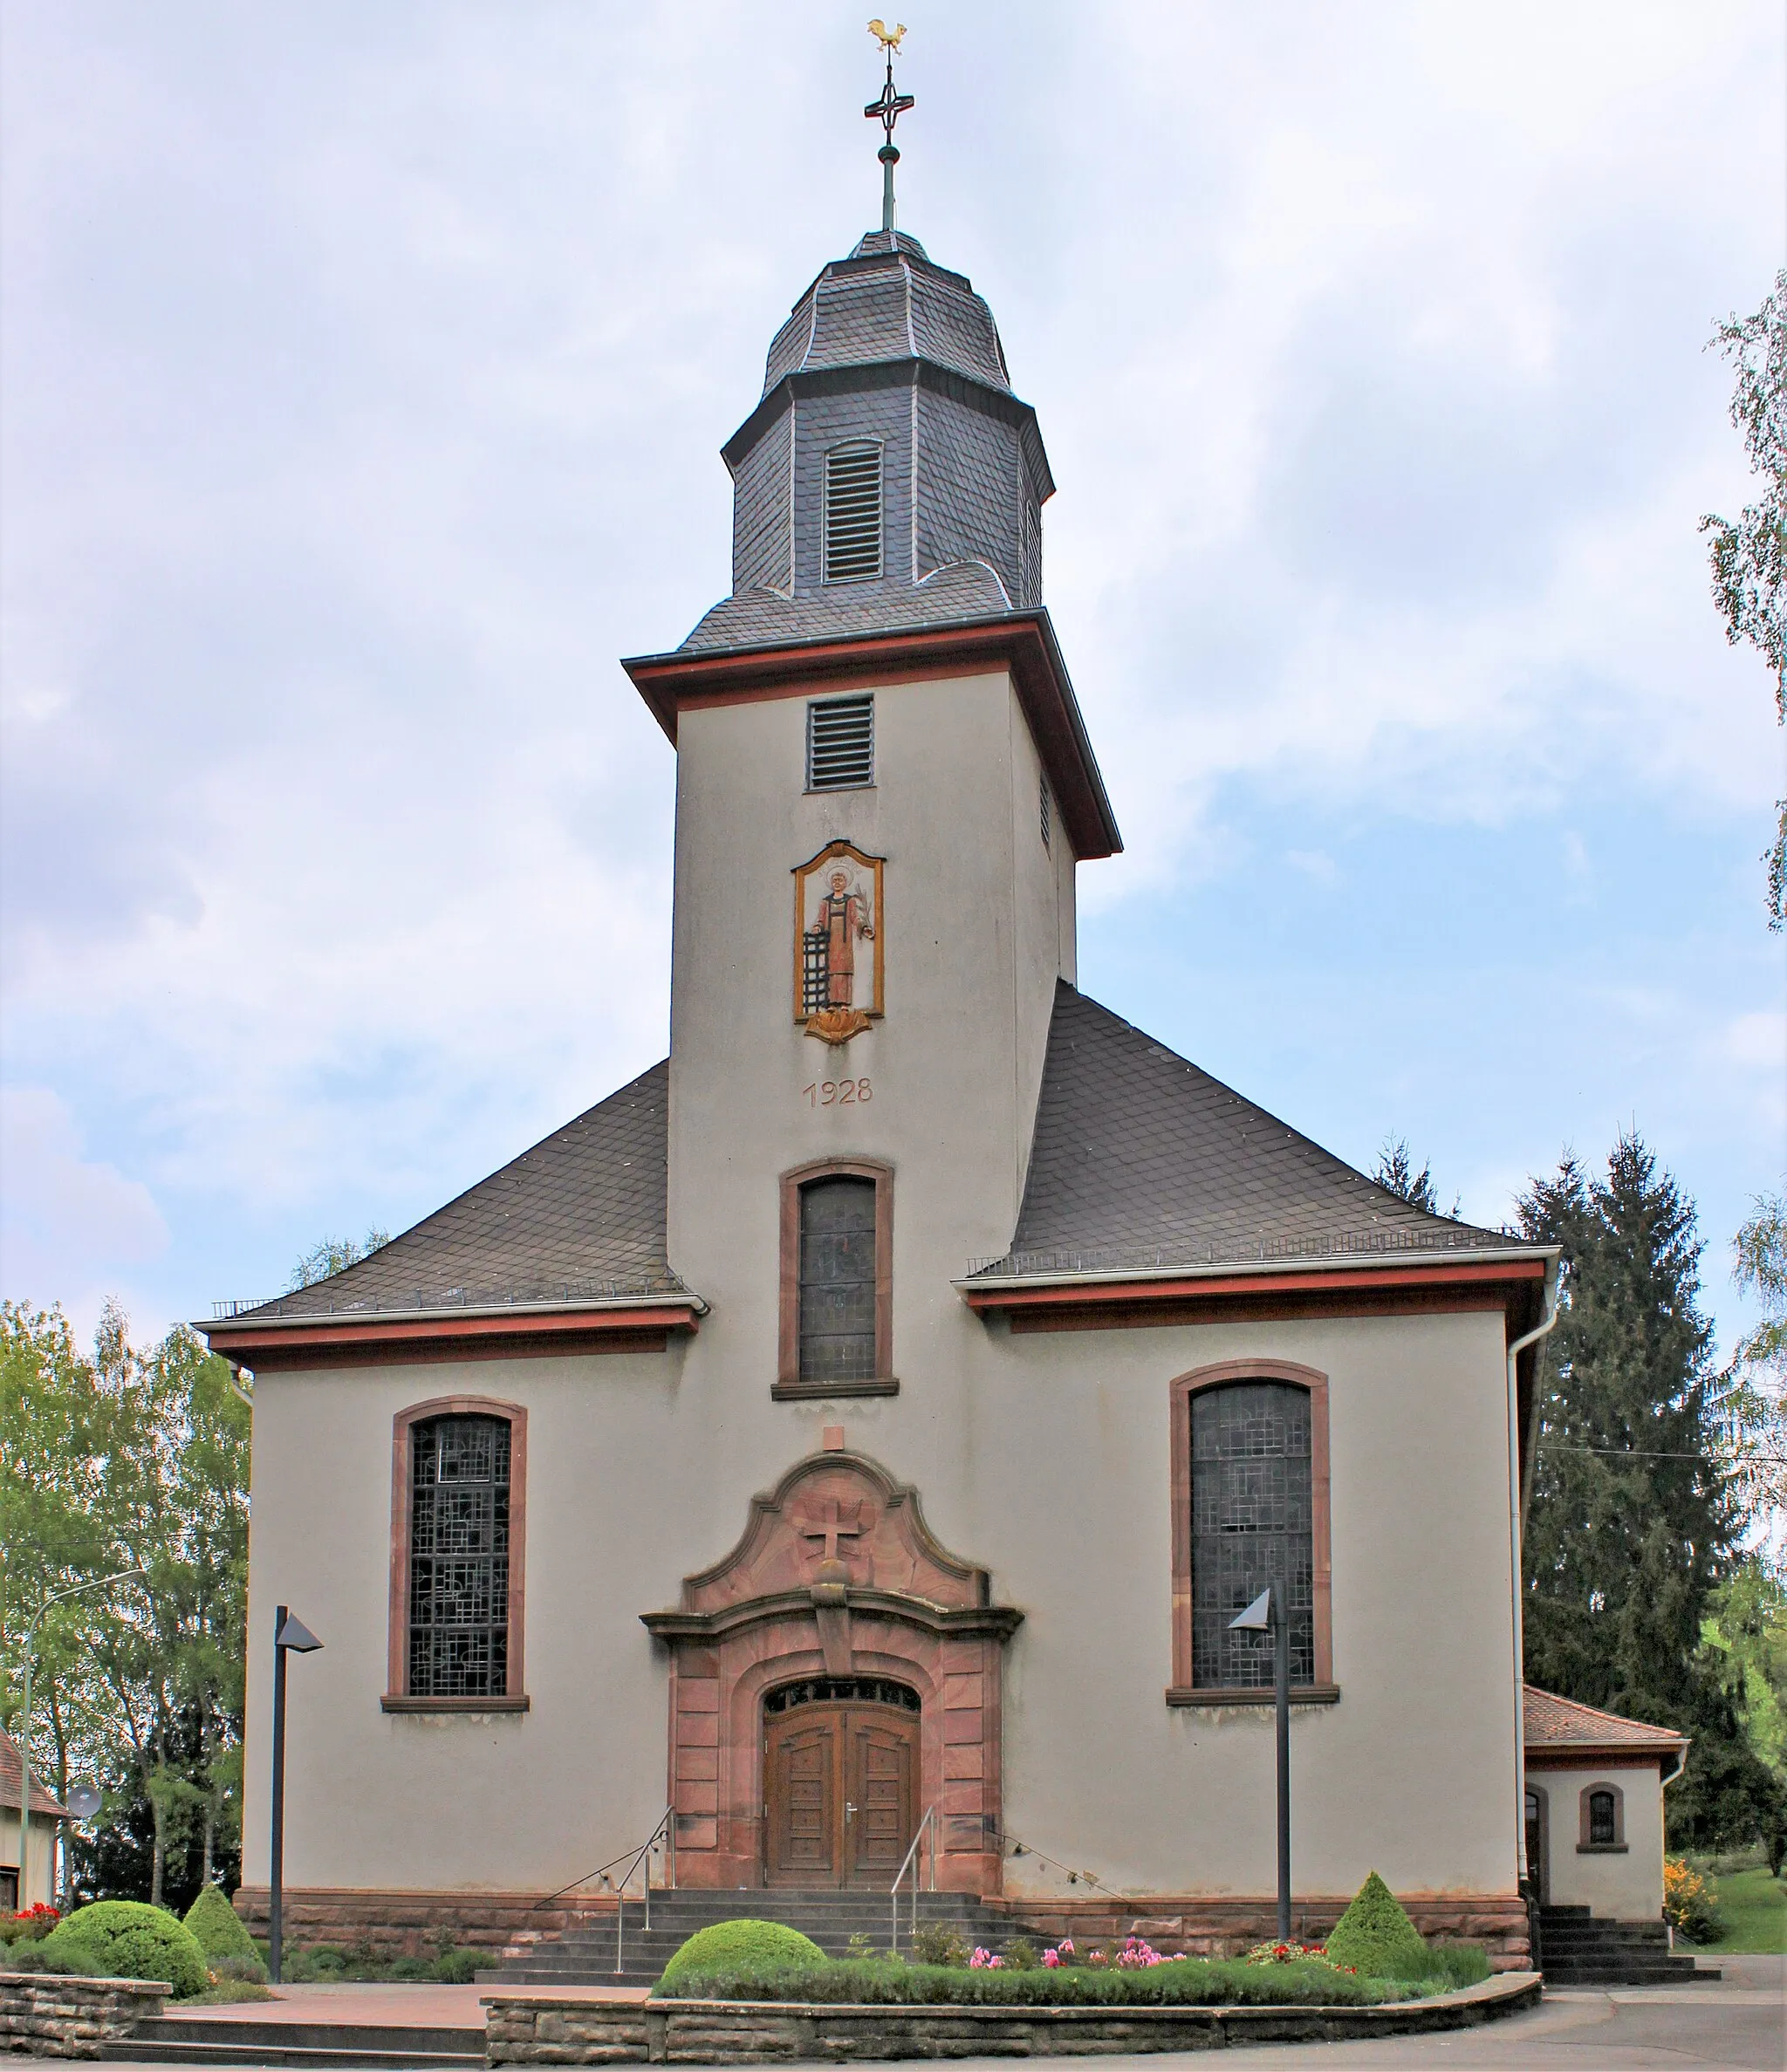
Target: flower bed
<point x="1173" y="1981"/>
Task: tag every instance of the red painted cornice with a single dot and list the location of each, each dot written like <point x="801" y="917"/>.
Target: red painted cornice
<point x="1166" y="1297"/>
<point x="356" y="1341"/>
<point x="1022" y="642"/>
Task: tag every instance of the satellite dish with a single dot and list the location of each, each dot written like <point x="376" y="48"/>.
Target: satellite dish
<point x="82" y="1802"/>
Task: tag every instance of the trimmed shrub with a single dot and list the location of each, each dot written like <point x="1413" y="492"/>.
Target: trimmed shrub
<point x="727" y="1945"/>
<point x="1177" y="1982"/>
<point x="1375" y="1938"/>
<point x="220" y="1935"/>
<point x="134" y="1941"/>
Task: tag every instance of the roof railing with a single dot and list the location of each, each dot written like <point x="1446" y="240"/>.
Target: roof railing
<point x="1243" y="1249"/>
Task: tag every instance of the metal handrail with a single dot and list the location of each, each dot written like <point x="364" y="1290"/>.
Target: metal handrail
<point x="1074" y="1877"/>
<point x="926" y="1826"/>
<point x="666" y="1832"/>
<point x="665" y="1827"/>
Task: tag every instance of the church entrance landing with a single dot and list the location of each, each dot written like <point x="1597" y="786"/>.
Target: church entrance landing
<point x="838" y="1675"/>
<point x="840" y="1781"/>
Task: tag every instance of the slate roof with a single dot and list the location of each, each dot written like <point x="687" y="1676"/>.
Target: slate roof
<point x="1551" y="1722"/>
<point x="1140" y="1159"/>
<point x="12" y="1774"/>
<point x="966" y="589"/>
<point x="888" y="301"/>
<point x="579" y="1217"/>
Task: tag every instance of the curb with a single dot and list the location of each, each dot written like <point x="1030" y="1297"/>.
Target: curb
<point x="538" y="2028"/>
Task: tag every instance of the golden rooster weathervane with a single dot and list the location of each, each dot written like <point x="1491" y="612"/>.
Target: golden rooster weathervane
<point x="887" y="111"/>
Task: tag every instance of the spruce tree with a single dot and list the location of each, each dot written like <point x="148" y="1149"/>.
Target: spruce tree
<point x="1631" y="1527"/>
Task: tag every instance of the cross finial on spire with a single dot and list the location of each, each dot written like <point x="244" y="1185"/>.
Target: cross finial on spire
<point x="887" y="111"/>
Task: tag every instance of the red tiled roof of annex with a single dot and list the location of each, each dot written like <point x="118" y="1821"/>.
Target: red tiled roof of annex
<point x="12" y="1775"/>
<point x="1553" y="1722"/>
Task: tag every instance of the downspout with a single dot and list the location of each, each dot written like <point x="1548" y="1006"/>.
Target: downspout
<point x="1516" y="1522"/>
<point x="237" y="1376"/>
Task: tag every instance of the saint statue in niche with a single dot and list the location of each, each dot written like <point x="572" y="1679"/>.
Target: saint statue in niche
<point x="837" y="942"/>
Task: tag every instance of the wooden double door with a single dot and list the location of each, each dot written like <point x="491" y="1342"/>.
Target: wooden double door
<point x="840" y="1789"/>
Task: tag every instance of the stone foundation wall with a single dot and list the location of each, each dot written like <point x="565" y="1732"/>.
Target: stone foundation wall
<point x="70" y="2017"/>
<point x="1200" y="1927"/>
<point x="395" y="1923"/>
<point x="535" y="2029"/>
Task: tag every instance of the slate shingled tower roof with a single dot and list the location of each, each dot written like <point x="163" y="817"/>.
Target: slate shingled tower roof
<point x="1140" y="1160"/>
<point x="885" y="347"/>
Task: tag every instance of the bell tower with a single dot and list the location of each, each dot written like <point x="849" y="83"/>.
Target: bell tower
<point x="884" y="787"/>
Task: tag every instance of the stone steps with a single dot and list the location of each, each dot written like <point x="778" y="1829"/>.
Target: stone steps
<point x="1576" y="1948"/>
<point x="585" y="1954"/>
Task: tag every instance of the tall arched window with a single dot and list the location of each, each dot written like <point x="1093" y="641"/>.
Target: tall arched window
<point x="457" y="1515"/>
<point x="851" y="548"/>
<point x="1250" y="1503"/>
<point x="837" y="1280"/>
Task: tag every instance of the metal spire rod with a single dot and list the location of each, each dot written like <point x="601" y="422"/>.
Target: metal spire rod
<point x="887" y="111"/>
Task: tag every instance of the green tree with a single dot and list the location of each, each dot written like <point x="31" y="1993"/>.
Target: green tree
<point x="1632" y="1528"/>
<point x="128" y="1459"/>
<point x="334" y="1255"/>
<point x="1395" y="1170"/>
<point x="1750" y="552"/>
<point x="1753" y="1402"/>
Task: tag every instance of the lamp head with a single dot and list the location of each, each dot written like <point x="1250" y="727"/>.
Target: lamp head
<point x="1257" y="1618"/>
<point x="292" y="1632"/>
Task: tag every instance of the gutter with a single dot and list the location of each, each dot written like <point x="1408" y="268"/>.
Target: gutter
<point x="1516" y="1520"/>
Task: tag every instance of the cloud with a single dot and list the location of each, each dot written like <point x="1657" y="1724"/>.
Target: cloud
<point x="66" y="1223"/>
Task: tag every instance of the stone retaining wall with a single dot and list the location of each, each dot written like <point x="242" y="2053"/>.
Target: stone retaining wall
<point x="537" y="2029"/>
<point x="70" y="2018"/>
<point x="1198" y="1927"/>
<point x="386" y="1924"/>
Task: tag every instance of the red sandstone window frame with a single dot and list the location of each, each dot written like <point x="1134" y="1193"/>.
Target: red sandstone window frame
<point x="1585" y="1845"/>
<point x="397" y="1698"/>
<point x="788" y="1387"/>
<point x="1181" y="1690"/>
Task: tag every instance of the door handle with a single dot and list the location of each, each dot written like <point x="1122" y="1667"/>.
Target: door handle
<point x="849" y="1810"/>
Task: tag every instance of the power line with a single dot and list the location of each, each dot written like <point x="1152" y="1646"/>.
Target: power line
<point x="1555" y="1446"/>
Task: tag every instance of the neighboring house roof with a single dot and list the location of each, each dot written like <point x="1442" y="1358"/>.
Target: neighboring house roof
<point x="1556" y="1725"/>
<point x="579" y="1217"/>
<point x="12" y="1775"/>
<point x="1141" y="1160"/>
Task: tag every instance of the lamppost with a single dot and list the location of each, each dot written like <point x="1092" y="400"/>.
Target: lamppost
<point x="25" y="1740"/>
<point x="290" y="1635"/>
<point x="1266" y="1614"/>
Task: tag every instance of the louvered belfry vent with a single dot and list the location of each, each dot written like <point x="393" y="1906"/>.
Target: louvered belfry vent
<point x="852" y="542"/>
<point x="840" y="743"/>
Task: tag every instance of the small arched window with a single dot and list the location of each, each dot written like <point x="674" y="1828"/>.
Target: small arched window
<point x="851" y="549"/>
<point x="837" y="1300"/>
<point x="1603" y="1826"/>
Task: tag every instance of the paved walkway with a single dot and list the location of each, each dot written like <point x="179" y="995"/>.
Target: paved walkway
<point x="383" y="2005"/>
<point x="1739" y="2025"/>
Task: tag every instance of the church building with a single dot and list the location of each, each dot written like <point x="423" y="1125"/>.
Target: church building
<point x="861" y="1430"/>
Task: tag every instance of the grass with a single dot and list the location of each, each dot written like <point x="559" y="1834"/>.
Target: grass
<point x="1754" y="1903"/>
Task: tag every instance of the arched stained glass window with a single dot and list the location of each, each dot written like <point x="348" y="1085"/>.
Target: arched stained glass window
<point x="1252" y="1523"/>
<point x="838" y="1278"/>
<point x="459" y="1557"/>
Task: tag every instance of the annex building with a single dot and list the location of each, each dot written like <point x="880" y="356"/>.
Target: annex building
<point x="869" y="1419"/>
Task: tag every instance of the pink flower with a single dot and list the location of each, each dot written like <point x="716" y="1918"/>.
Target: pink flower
<point x="1051" y="1960"/>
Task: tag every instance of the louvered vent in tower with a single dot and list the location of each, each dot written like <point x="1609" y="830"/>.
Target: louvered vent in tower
<point x="840" y="743"/>
<point x="852" y="542"/>
<point x="1032" y="553"/>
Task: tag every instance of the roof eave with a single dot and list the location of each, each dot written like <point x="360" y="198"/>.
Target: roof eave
<point x="1529" y="1261"/>
<point x="1023" y="641"/>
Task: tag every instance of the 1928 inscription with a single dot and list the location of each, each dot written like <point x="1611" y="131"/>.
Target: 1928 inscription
<point x="837" y="1093"/>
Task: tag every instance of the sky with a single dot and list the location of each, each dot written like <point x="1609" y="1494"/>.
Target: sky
<point x="363" y="373"/>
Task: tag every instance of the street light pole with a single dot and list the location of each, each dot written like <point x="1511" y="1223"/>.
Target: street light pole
<point x="289" y="1634"/>
<point x="25" y="1740"/>
<point x="1266" y="1614"/>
